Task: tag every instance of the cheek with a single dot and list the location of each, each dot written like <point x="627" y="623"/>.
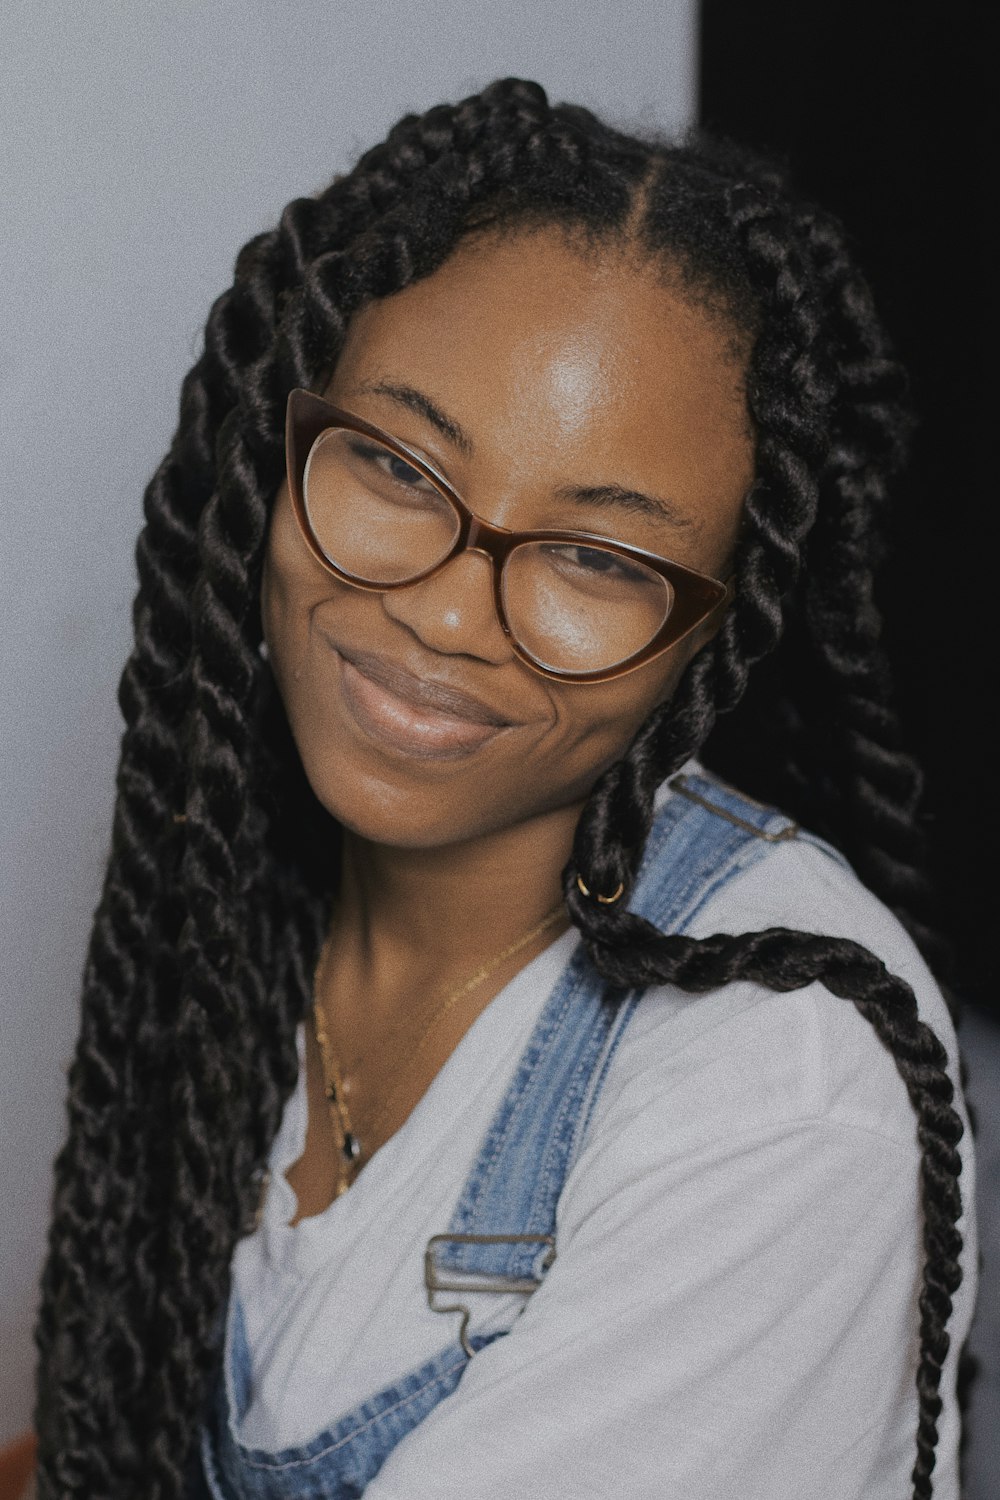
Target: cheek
<point x="598" y="729"/>
<point x="292" y="585"/>
<point x="292" y="579"/>
<point x="637" y="695"/>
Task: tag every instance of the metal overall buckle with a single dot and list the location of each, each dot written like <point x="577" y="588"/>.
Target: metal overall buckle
<point x="437" y="1280"/>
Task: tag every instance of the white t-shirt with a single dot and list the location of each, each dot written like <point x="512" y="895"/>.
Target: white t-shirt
<point x="732" y="1310"/>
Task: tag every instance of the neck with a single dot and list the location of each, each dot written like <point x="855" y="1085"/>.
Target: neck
<point x="437" y="910"/>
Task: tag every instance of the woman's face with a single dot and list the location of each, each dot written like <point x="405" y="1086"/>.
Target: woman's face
<point x="520" y="369"/>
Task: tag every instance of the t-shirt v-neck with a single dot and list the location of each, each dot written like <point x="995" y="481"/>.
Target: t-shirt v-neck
<point x="295" y="1271"/>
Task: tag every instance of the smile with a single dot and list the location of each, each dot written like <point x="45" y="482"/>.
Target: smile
<point x="410" y="714"/>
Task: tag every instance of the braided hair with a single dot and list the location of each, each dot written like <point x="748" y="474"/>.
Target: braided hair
<point x="210" y="919"/>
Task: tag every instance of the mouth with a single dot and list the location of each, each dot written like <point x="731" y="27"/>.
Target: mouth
<point x="411" y="714"/>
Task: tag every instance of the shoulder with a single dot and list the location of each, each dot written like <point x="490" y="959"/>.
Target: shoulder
<point x="746" y="1058"/>
<point x="776" y="1122"/>
<point x="787" y="877"/>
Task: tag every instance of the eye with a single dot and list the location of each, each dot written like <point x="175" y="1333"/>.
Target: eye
<point x="597" y="563"/>
<point x="404" y="472"/>
<point x="391" y="465"/>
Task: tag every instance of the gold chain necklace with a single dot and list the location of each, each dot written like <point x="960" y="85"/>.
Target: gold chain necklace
<point x="350" y="1150"/>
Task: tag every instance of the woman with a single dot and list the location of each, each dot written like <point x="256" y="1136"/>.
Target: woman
<point x="402" y="1158"/>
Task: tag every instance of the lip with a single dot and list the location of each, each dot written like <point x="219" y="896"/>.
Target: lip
<point x="418" y="716"/>
<point x="423" y="692"/>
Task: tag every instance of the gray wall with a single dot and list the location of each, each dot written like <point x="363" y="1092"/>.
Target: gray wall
<point x="141" y="142"/>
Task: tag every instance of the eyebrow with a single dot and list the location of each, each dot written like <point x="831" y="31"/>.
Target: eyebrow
<point x="632" y="502"/>
<point x="414" y="400"/>
<point x="601" y="496"/>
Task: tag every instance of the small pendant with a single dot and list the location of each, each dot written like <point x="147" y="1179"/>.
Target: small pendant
<point x="351" y="1146"/>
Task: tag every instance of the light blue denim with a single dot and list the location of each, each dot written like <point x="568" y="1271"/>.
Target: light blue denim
<point x="700" y="840"/>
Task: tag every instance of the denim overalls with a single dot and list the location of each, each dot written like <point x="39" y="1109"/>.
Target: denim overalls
<point x="502" y="1234"/>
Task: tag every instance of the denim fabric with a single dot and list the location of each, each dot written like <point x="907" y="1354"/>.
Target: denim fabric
<point x="701" y="839"/>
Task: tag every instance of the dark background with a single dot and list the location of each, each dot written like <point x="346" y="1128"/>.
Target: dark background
<point x="882" y="112"/>
<point x="885" y="114"/>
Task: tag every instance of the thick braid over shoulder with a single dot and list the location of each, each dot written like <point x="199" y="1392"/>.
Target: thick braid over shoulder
<point x="630" y="952"/>
<point x="202" y="956"/>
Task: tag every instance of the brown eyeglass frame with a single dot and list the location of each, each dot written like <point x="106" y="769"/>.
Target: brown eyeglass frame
<point x="696" y="595"/>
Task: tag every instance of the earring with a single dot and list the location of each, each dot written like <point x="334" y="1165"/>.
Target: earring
<point x="604" y="900"/>
<point x="262" y="651"/>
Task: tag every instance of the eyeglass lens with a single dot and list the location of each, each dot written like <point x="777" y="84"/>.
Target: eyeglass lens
<point x="572" y="606"/>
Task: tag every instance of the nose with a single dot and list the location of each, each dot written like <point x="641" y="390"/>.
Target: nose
<point x="453" y="612"/>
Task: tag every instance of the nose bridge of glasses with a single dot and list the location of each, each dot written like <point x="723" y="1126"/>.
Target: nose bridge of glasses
<point x="491" y="542"/>
<point x="482" y="536"/>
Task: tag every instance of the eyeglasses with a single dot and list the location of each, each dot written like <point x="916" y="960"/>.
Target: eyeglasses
<point x="576" y="607"/>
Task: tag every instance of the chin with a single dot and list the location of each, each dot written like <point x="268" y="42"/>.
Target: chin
<point x="401" y="818"/>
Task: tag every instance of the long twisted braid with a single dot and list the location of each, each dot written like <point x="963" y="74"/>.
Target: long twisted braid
<point x="823" y="711"/>
<point x="209" y="924"/>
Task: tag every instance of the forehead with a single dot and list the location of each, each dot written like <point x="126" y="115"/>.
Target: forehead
<point x="579" y="353"/>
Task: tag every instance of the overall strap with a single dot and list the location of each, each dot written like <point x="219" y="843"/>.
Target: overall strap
<point x="502" y="1235"/>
